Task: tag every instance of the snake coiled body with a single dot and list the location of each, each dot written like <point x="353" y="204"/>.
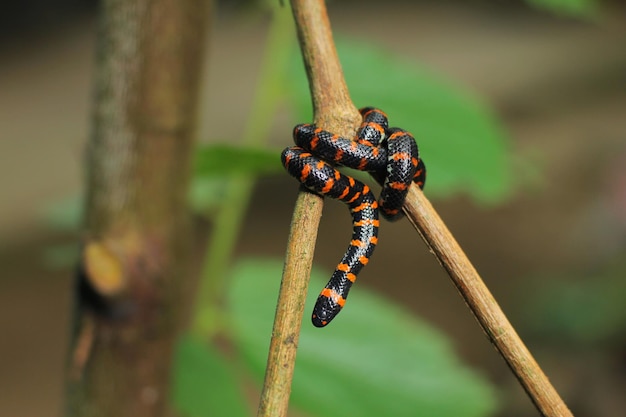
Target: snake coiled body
<point x="389" y="154"/>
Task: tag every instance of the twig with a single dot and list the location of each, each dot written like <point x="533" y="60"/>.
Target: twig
<point x="484" y="307"/>
<point x="334" y="111"/>
<point x="229" y="218"/>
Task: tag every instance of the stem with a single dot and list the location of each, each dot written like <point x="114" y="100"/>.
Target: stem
<point x="206" y="319"/>
<point x="333" y="111"/>
<point x="135" y="264"/>
<point x="229" y="219"/>
<point x="482" y="304"/>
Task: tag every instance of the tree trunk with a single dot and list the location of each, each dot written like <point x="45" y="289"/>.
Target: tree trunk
<point x="135" y="263"/>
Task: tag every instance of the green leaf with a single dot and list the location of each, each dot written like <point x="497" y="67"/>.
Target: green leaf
<point x="578" y="309"/>
<point x="576" y="8"/>
<point x="64" y="214"/>
<point x="222" y="160"/>
<point x="61" y="255"/>
<point x="216" y="164"/>
<point x="205" y="383"/>
<point x="375" y="359"/>
<point x="463" y="145"/>
<point x="206" y="194"/>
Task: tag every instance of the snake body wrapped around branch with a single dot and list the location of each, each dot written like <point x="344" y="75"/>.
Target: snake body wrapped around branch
<point x="389" y="154"/>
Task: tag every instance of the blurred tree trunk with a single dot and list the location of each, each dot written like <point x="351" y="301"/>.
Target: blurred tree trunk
<point x="135" y="264"/>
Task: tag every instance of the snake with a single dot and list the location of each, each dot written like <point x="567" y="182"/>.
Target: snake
<point x="389" y="154"/>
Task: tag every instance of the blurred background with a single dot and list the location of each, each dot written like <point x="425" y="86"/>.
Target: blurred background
<point x="553" y="252"/>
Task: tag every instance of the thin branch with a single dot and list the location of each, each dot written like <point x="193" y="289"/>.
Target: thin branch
<point x="484" y="307"/>
<point x="229" y="219"/>
<point x="334" y="111"/>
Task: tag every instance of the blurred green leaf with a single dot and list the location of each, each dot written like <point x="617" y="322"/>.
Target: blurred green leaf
<point x="373" y="360"/>
<point x="577" y="8"/>
<point x="216" y="164"/>
<point x="222" y="160"/>
<point x="61" y="255"/>
<point x="463" y="145"/>
<point x="580" y="309"/>
<point x="64" y="214"/>
<point x="205" y="383"/>
<point x="207" y="193"/>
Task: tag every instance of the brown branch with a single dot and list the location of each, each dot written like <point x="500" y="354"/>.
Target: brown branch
<point x="484" y="307"/>
<point x="334" y="111"/>
<point x="135" y="263"/>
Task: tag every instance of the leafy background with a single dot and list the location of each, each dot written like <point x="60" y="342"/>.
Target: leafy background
<point x="517" y="112"/>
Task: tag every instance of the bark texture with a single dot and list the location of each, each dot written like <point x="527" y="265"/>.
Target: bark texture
<point x="134" y="267"/>
<point x="334" y="111"/>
